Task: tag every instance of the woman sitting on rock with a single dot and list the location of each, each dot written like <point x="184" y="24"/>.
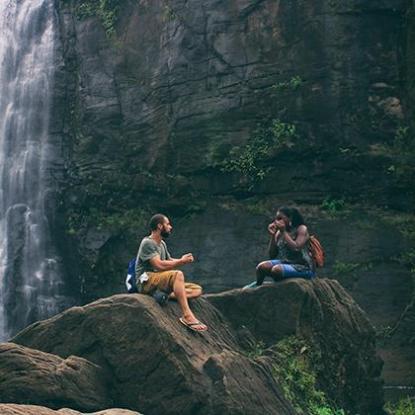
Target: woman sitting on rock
<point x="288" y="249"/>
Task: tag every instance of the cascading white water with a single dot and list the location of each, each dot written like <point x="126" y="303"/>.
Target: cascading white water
<point x="30" y="277"/>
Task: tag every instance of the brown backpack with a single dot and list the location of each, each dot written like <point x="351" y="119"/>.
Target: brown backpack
<point x="316" y="251"/>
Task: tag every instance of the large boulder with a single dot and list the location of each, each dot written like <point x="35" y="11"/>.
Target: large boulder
<point x="155" y="364"/>
<point x="38" y="378"/>
<point x="325" y="314"/>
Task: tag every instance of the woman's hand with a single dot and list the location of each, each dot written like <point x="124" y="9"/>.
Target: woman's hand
<point x="280" y="225"/>
<point x="272" y="228"/>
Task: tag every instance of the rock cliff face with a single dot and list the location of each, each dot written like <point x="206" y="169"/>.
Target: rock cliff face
<point x="151" y="363"/>
<point x="158" y="116"/>
<point x="158" y="102"/>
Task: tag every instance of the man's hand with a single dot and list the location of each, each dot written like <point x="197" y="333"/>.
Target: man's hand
<point x="187" y="258"/>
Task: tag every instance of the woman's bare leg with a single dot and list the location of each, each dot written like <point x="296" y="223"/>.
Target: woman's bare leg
<point x="277" y="272"/>
<point x="263" y="270"/>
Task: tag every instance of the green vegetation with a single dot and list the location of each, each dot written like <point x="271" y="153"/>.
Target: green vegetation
<point x="341" y="268"/>
<point x="405" y="224"/>
<point x="403" y="407"/>
<point x="294" y="83"/>
<point x="250" y="160"/>
<point x="401" y="153"/>
<point x="106" y="10"/>
<point x="333" y="206"/>
<point x="256" y="349"/>
<point x="124" y="222"/>
<point x="254" y="161"/>
<point x="383" y="332"/>
<point x="293" y="368"/>
<point x="168" y="13"/>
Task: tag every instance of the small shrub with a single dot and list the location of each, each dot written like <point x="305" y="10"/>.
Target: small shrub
<point x="168" y="13"/>
<point x="294" y="83"/>
<point x="106" y="10"/>
<point x="333" y="206"/>
<point x="294" y="370"/>
<point x="401" y="152"/>
<point x="249" y="160"/>
<point x="403" y="407"/>
<point x="341" y="268"/>
<point x="257" y="349"/>
<point x="384" y="332"/>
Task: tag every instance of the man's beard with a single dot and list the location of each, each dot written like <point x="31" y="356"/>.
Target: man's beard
<point x="165" y="234"/>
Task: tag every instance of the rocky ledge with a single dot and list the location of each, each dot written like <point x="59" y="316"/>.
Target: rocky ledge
<point x="133" y="354"/>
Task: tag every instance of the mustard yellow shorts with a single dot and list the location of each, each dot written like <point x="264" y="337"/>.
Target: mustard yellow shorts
<point x="164" y="281"/>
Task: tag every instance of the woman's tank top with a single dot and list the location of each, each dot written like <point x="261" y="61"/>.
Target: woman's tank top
<point x="289" y="255"/>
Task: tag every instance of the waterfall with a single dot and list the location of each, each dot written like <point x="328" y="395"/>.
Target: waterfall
<point x="31" y="285"/>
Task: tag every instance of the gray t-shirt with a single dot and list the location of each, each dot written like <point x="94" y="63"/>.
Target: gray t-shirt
<point x="148" y="249"/>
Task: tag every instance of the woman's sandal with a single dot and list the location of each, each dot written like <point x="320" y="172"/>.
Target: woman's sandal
<point x="192" y="326"/>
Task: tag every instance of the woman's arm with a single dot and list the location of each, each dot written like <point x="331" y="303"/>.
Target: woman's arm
<point x="272" y="245"/>
<point x="300" y="241"/>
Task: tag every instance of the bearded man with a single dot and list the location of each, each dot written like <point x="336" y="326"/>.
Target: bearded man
<point x="157" y="270"/>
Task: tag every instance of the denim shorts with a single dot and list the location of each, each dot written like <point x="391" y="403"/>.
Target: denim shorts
<point x="290" y="271"/>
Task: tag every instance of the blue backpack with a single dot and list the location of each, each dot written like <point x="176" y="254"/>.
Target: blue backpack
<point x="130" y="281"/>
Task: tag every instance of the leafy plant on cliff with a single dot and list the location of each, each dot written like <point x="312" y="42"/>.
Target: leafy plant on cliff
<point x="168" y="13"/>
<point x="340" y="268"/>
<point x="293" y="368"/>
<point x="401" y="153"/>
<point x="405" y="224"/>
<point x="257" y="349"/>
<point x="249" y="160"/>
<point x="333" y="206"/>
<point x="403" y="407"/>
<point x="106" y="10"/>
<point x="292" y="84"/>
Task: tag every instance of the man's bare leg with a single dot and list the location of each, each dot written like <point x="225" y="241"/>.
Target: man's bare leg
<point x="180" y="294"/>
<point x="190" y="293"/>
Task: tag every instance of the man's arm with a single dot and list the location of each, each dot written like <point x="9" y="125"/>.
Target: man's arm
<point x="168" y="264"/>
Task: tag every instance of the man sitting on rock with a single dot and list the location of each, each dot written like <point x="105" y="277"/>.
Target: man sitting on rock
<point x="157" y="270"/>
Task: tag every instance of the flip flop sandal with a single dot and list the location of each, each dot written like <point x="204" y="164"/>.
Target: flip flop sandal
<point x="253" y="284"/>
<point x="192" y="326"/>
